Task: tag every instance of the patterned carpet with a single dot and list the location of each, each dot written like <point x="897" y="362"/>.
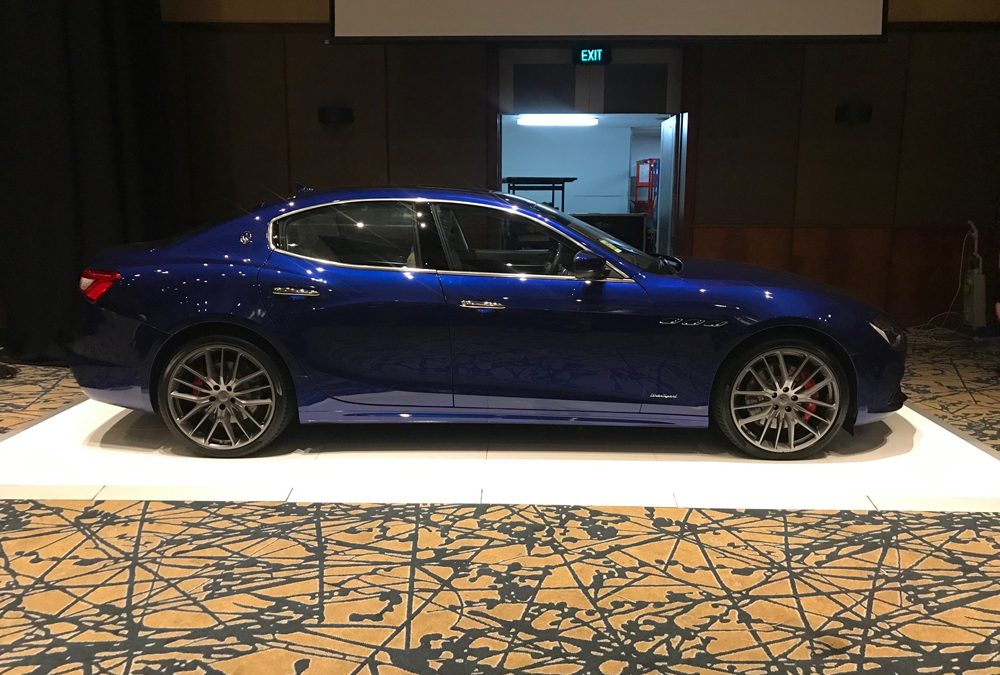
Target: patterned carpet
<point x="35" y="393"/>
<point x="151" y="588"/>
<point x="958" y="383"/>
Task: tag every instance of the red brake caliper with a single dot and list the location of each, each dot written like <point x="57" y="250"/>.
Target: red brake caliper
<point x="811" y="407"/>
<point x="198" y="382"/>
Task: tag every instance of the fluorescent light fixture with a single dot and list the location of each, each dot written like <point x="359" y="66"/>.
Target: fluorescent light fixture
<point x="557" y="120"/>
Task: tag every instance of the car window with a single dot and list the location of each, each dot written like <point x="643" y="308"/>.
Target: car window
<point x="380" y="234"/>
<point x="658" y="264"/>
<point x="488" y="240"/>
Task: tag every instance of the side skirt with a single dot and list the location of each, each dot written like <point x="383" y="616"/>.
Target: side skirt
<point x="485" y="416"/>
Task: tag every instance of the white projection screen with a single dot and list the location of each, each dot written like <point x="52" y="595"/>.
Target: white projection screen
<point x="606" y="18"/>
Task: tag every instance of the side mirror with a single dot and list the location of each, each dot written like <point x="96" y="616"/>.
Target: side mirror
<point x="589" y="266"/>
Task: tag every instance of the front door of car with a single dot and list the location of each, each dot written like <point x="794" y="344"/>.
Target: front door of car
<point x="351" y="290"/>
<point x="527" y="334"/>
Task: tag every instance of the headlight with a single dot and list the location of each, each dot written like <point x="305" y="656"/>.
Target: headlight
<point x="888" y="331"/>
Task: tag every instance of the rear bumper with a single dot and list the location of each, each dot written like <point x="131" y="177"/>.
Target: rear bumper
<point x="110" y="357"/>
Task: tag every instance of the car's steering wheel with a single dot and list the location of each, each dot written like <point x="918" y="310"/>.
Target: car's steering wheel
<point x="561" y="263"/>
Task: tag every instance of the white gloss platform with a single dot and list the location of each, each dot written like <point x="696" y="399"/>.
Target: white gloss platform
<point x="93" y="450"/>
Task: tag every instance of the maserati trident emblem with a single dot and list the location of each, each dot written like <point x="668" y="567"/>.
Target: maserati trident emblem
<point x="246" y="238"/>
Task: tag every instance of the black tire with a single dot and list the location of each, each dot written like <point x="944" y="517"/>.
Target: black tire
<point x="723" y="415"/>
<point x="270" y="426"/>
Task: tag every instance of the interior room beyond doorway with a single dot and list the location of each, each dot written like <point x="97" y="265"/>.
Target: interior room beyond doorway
<point x="613" y="170"/>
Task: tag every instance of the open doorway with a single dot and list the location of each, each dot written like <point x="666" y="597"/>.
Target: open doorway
<point x="620" y="172"/>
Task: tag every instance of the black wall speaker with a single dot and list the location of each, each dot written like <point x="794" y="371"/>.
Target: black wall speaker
<point x="335" y="115"/>
<point x="853" y="113"/>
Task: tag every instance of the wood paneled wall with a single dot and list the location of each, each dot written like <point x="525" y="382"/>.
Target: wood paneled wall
<point x="339" y="76"/>
<point x="846" y="174"/>
<point x="950" y="158"/>
<point x="876" y="209"/>
<point x="246" y="99"/>
<point x="438" y="114"/>
<point x="748" y="134"/>
<point x="911" y="272"/>
<point x="228" y="104"/>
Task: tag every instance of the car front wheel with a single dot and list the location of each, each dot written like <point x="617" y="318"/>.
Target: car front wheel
<point x="225" y="397"/>
<point x="781" y="399"/>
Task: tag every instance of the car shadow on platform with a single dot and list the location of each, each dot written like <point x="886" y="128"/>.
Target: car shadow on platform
<point x="142" y="432"/>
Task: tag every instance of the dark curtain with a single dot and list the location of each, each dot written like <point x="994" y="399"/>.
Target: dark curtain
<point x="85" y="153"/>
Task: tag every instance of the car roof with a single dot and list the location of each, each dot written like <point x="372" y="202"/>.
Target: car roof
<point x="305" y="199"/>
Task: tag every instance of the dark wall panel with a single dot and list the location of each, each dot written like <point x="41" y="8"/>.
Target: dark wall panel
<point x="635" y="88"/>
<point x="544" y="87"/>
<point x="437" y="118"/>
<point x="765" y="246"/>
<point x="855" y="259"/>
<point x="912" y="273"/>
<point x="950" y="169"/>
<point x="923" y="273"/>
<point x="235" y="90"/>
<point x="748" y="134"/>
<point x="847" y="172"/>
<point x="175" y="76"/>
<point x="342" y="76"/>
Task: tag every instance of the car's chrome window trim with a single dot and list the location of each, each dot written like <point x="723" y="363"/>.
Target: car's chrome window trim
<point x="517" y="275"/>
<point x="419" y="200"/>
<point x="331" y="263"/>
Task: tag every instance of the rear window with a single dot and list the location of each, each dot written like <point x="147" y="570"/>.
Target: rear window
<point x="379" y="234"/>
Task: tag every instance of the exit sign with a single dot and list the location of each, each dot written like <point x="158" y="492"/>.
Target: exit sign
<point x="592" y="56"/>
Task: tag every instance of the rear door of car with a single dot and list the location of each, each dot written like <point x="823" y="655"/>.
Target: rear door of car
<point x="352" y="290"/>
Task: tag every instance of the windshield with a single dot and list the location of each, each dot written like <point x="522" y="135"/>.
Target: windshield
<point x="657" y="264"/>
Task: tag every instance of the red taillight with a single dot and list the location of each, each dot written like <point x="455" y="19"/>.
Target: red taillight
<point x="95" y="283"/>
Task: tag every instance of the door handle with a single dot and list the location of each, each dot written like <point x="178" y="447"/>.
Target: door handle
<point x="295" y="292"/>
<point x="480" y="304"/>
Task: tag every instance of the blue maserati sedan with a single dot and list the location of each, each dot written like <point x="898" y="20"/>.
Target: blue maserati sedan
<point x="430" y="305"/>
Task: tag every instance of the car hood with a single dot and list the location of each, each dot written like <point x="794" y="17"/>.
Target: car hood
<point x="700" y="269"/>
<point x="774" y="293"/>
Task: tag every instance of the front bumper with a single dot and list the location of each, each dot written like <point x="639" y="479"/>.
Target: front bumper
<point x="879" y="377"/>
<point x="891" y="406"/>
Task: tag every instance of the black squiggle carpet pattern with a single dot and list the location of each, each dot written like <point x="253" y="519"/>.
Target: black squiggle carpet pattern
<point x="153" y="588"/>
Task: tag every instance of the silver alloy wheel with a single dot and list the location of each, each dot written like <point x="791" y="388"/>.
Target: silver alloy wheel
<point x="220" y="397"/>
<point x="785" y="400"/>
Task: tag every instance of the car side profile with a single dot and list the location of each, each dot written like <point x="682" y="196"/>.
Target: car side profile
<point x="432" y="305"/>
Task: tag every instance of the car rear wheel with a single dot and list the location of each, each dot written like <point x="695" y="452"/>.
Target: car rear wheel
<point x="781" y="399"/>
<point x="225" y="397"/>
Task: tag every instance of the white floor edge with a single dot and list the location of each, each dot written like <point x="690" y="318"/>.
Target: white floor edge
<point x="93" y="450"/>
